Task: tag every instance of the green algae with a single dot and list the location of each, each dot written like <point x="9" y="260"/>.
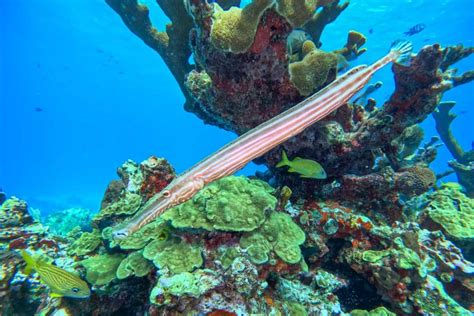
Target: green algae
<point x="101" y="269"/>
<point x="85" y="244"/>
<point x="229" y="204"/>
<point x="280" y="234"/>
<point x="134" y="264"/>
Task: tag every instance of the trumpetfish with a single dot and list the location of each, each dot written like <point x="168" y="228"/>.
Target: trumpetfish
<point x="260" y="140"/>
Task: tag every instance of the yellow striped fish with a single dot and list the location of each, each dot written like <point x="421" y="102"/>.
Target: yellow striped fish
<point x="60" y="281"/>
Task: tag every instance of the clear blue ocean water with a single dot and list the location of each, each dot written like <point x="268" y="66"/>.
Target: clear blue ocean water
<point x="106" y="97"/>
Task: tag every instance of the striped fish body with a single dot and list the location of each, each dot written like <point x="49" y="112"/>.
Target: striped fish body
<point x="60" y="281"/>
<point x="260" y="140"/>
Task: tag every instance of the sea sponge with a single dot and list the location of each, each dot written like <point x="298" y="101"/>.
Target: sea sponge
<point x="316" y="70"/>
<point x="297" y="12"/>
<point x="101" y="269"/>
<point x="85" y="244"/>
<point x="234" y="30"/>
<point x="229" y="204"/>
<point x="280" y="234"/>
<point x="134" y="264"/>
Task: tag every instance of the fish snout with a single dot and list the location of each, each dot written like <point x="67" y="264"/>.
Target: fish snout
<point x="120" y="234"/>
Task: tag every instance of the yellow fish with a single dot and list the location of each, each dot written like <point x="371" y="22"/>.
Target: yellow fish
<point x="305" y="167"/>
<point x="60" y="281"/>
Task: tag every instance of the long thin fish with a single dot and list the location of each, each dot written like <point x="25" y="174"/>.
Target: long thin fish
<point x="259" y="140"/>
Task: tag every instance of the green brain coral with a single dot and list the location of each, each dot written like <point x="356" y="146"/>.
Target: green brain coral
<point x="453" y="211"/>
<point x="87" y="243"/>
<point x="229" y="204"/>
<point x="175" y="255"/>
<point x="101" y="269"/>
<point x="279" y="233"/>
<point x="234" y="30"/>
<point x="134" y="264"/>
<point x="317" y="69"/>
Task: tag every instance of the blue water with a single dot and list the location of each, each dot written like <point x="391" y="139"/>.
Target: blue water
<point x="106" y="97"/>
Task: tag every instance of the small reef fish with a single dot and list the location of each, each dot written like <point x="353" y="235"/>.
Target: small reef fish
<point x="259" y="140"/>
<point x="38" y="109"/>
<point x="60" y="281"/>
<point x="307" y="168"/>
<point x="415" y="29"/>
<point x="295" y="41"/>
<point x="368" y="91"/>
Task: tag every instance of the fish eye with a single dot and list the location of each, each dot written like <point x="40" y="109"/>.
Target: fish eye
<point x="75" y="290"/>
<point x="166" y="193"/>
<point x="121" y="234"/>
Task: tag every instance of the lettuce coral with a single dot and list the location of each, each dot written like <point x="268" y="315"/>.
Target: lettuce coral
<point x="279" y="233"/>
<point x="453" y="211"/>
<point x="229" y="204"/>
<point x="85" y="244"/>
<point x="185" y="283"/>
<point x="174" y="255"/>
<point x="134" y="264"/>
<point x="101" y="269"/>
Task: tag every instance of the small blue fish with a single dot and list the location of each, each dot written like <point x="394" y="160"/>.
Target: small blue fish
<point x="415" y="29"/>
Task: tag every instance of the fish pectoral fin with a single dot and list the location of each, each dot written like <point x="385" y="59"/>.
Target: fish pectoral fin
<point x="54" y="295"/>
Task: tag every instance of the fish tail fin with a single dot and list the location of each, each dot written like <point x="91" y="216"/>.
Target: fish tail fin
<point x="284" y="160"/>
<point x="30" y="262"/>
<point x="400" y="51"/>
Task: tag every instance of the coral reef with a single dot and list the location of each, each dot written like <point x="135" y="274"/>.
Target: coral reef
<point x="374" y="238"/>
<point x="63" y="222"/>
